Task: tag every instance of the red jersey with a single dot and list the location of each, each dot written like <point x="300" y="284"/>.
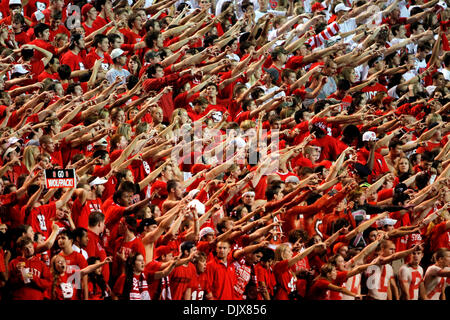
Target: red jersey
<point x="75" y="262"/>
<point x="138" y="290"/>
<point x="340" y="280"/>
<point x="32" y="289"/>
<point x="40" y="217"/>
<point x="95" y="248"/>
<point x="74" y="61"/>
<point x="64" y="289"/>
<point x="199" y="286"/>
<point x="80" y="213"/>
<point x="319" y="290"/>
<point x="285" y="279"/>
<point x="266" y="276"/>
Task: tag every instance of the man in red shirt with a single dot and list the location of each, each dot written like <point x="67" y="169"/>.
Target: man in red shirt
<point x="28" y="275"/>
<point x="51" y="70"/>
<point x="95" y="246"/>
<point x="42" y="33"/>
<point x="105" y="13"/>
<point x="180" y="277"/>
<point x="132" y="33"/>
<point x="221" y="272"/>
<point x="75" y="262"/>
<point x="373" y="159"/>
<point x="157" y="80"/>
<point x="126" y="245"/>
<point x="72" y="57"/>
<point x="99" y="51"/>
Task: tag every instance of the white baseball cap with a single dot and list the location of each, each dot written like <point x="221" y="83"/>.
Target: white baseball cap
<point x="97" y="181"/>
<point x="200" y="207"/>
<point x="206" y="230"/>
<point x="102" y="142"/>
<point x="369" y="136"/>
<point x="386" y="222"/>
<point x="292" y="179"/>
<point x="116" y="53"/>
<point x="11" y="2"/>
<point x="341" y="7"/>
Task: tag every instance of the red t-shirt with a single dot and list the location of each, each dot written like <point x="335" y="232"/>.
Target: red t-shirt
<point x="319" y="290"/>
<point x="285" y="279"/>
<point x="180" y="279"/>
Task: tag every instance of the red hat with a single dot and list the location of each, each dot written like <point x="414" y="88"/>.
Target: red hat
<point x="385" y="194"/>
<point x="304" y="162"/>
<point x="317" y="7"/>
<point x="161" y="186"/>
<point x="162" y="250"/>
<point x="85" y="9"/>
<point x="326" y="163"/>
<point x="337" y="246"/>
<point x="196" y="168"/>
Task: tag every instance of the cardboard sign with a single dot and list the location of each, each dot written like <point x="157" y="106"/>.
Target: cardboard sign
<point x="60" y="178"/>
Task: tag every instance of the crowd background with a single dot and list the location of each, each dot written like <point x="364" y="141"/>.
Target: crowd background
<point x="313" y="138"/>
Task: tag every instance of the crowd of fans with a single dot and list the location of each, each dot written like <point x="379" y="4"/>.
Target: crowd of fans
<point x="225" y="150"/>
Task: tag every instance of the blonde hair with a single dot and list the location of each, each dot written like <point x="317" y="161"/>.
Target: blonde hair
<point x="247" y="124"/>
<point x="280" y="252"/>
<point x="178" y="112"/>
<point x="432" y="118"/>
<point x="28" y="157"/>
<point x="125" y="130"/>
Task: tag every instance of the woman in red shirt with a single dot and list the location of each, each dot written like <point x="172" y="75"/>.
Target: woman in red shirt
<point x="285" y="277"/>
<point x="62" y="287"/>
<point x="97" y="287"/>
<point x="132" y="285"/>
<point x="323" y="284"/>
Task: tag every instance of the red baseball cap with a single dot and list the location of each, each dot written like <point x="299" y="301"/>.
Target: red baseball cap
<point x="85" y="9"/>
<point x="162" y="250"/>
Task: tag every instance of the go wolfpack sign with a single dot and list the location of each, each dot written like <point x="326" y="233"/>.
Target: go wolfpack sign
<point x="60" y="178"/>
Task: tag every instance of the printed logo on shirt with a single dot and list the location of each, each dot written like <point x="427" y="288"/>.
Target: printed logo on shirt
<point x="40" y="6"/>
<point x="67" y="290"/>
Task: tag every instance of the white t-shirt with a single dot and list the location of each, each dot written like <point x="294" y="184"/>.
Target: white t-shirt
<point x="378" y="280"/>
<point x="352" y="284"/>
<point x="446" y="74"/>
<point x="433" y="283"/>
<point x="413" y="277"/>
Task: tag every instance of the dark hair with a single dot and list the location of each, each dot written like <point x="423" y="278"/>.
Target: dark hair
<point x="186" y="246"/>
<point x="98" y="38"/>
<point x="40" y="28"/>
<point x="95" y="218"/>
<point x="422" y="180"/>
<point x="271" y="192"/>
<point x="98" y="4"/>
<point x="394" y="143"/>
<point x="150" y="37"/>
<point x="67" y="233"/>
<point x="74" y="38"/>
<point x="151" y="71"/>
<point x="78" y="232"/>
<point x="296" y="234"/>
<point x="64" y="71"/>
<point x="171" y="184"/>
<point x="129" y="274"/>
<point x="96" y="279"/>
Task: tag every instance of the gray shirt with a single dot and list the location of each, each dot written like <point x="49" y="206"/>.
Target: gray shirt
<point x="113" y="73"/>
